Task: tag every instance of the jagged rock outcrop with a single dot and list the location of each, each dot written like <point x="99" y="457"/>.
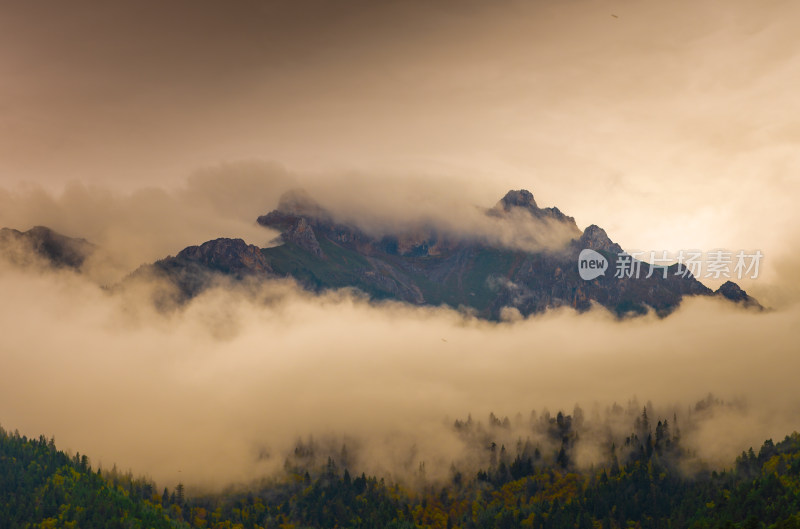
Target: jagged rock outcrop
<point x="230" y="256"/>
<point x="195" y="268"/>
<point x="596" y="238"/>
<point x="523" y="199"/>
<point x="302" y="234"/>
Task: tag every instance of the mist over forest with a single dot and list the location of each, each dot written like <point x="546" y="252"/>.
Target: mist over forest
<point x="246" y="371"/>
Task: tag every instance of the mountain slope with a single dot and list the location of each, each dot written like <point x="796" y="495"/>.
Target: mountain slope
<point x="421" y="265"/>
<point x="425" y="266"/>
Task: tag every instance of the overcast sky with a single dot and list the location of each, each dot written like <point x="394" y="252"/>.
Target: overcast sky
<point x="671" y="124"/>
<point x="148" y="126"/>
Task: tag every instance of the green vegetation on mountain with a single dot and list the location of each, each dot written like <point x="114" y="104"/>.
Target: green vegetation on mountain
<point x="43" y="488"/>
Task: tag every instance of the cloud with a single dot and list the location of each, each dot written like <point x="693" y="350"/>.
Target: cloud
<point x="222" y="391"/>
<point x="137" y="227"/>
<point x="415" y="208"/>
<point x="140" y="226"/>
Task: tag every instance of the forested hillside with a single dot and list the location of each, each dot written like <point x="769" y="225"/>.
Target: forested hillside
<point x="42" y="487"/>
<point x="644" y="483"/>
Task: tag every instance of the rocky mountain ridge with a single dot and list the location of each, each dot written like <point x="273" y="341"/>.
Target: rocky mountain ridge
<point x="429" y="267"/>
<point x="421" y="266"/>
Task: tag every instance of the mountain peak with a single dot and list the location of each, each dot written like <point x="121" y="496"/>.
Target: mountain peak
<point x="595" y="232"/>
<point x="735" y="293"/>
<point x="227" y="255"/>
<point x="521" y="198"/>
<point x="596" y="238"/>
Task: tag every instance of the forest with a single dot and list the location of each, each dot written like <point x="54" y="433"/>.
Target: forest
<point x="648" y="480"/>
